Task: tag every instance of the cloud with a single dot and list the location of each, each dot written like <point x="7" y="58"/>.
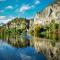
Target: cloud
<point x="2" y="17"/>
<point x="9" y="7"/>
<point x="37" y="1"/>
<point x="5" y="19"/>
<point x="11" y="17"/>
<point x="24" y="8"/>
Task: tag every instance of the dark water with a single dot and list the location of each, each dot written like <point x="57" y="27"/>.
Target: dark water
<point x="9" y="52"/>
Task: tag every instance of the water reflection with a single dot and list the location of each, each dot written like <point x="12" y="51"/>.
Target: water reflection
<point x="52" y="37"/>
<point x="17" y="40"/>
<point x="23" y="47"/>
<point x="49" y="47"/>
<point x="7" y="52"/>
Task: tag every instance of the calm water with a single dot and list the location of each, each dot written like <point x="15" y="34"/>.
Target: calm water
<point x="24" y="47"/>
<point x="9" y="52"/>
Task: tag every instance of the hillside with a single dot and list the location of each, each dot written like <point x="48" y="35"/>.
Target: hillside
<point x="52" y="12"/>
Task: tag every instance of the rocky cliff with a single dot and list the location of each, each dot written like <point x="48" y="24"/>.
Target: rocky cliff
<point x="52" y="12"/>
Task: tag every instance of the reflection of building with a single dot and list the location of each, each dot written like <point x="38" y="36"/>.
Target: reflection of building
<point x="50" y="13"/>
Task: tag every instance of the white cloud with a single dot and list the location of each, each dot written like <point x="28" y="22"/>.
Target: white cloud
<point x="9" y="7"/>
<point x="5" y="19"/>
<point x="37" y="1"/>
<point x="11" y="17"/>
<point x="2" y="17"/>
<point x="24" y="8"/>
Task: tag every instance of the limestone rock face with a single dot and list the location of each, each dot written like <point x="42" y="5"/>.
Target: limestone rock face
<point x="50" y="13"/>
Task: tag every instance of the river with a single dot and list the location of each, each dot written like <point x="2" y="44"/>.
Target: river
<point x="25" y="51"/>
<point x="30" y="48"/>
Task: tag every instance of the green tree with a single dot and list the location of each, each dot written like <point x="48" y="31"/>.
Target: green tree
<point x="37" y="28"/>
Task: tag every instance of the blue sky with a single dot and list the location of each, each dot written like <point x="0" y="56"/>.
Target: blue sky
<point x="9" y="9"/>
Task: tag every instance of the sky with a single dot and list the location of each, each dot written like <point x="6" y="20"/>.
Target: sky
<point x="9" y="9"/>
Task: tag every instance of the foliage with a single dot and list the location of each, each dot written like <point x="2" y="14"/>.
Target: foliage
<point x="37" y="28"/>
<point x="31" y="31"/>
<point x="16" y="26"/>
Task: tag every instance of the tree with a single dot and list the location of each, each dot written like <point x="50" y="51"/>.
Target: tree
<point x="37" y="28"/>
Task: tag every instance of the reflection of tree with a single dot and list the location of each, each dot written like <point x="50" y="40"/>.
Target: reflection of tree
<point x="4" y="32"/>
<point x="8" y="25"/>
